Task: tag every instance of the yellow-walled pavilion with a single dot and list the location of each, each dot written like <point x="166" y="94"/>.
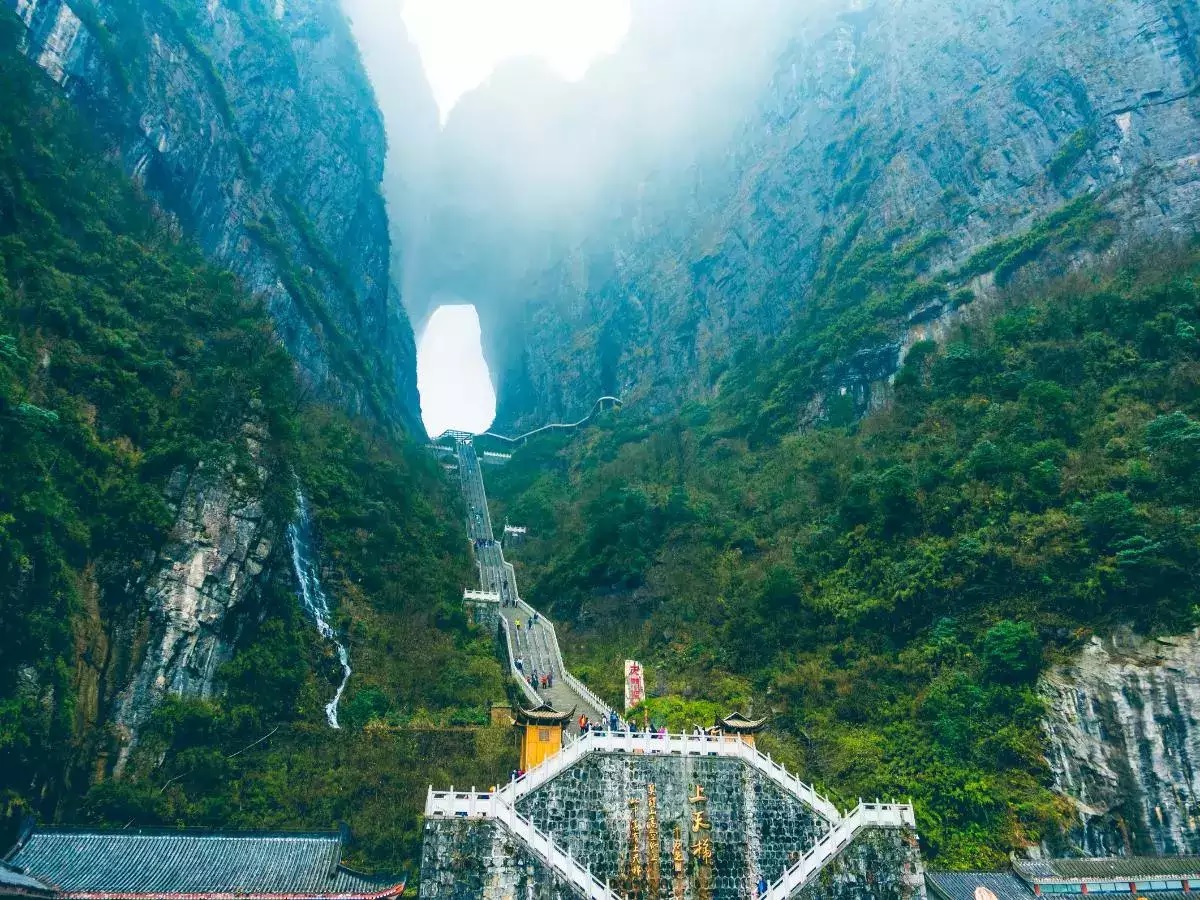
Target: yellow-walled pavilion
<point x="541" y="733"/>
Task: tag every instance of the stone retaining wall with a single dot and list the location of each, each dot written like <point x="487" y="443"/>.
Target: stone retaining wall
<point x="476" y="859"/>
<point x="757" y="828"/>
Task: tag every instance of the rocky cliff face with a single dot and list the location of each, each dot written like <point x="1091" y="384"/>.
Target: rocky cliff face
<point x="1123" y="742"/>
<point x="254" y="126"/>
<point x="209" y="569"/>
<point x="960" y="118"/>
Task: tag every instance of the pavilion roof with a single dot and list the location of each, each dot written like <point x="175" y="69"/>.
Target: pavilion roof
<point x="1109" y="868"/>
<point x="964" y="885"/>
<point x="194" y="865"/>
<point x="15" y="883"/>
<point x="737" y="722"/>
<point x="543" y="714"/>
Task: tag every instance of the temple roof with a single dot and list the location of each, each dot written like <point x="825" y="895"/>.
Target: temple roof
<point x="738" y="723"/>
<point x="964" y="885"/>
<point x="14" y="883"/>
<point x="125" y="865"/>
<point x="1114" y="868"/>
<point x="544" y="714"/>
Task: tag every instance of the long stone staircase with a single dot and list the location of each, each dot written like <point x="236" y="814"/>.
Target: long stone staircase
<point x="536" y="645"/>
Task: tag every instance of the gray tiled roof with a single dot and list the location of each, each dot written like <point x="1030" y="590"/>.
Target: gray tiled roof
<point x="962" y="885"/>
<point x="1120" y="868"/>
<point x="193" y="862"/>
<point x="17" y="883"/>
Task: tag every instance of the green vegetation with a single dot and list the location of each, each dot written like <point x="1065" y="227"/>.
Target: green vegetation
<point x="889" y="590"/>
<point x="125" y="362"/>
<point x="1069" y="155"/>
<point x="302" y="776"/>
<point x="1066" y="229"/>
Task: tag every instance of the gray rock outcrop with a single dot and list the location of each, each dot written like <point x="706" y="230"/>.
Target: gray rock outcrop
<point x="209" y="569"/>
<point x="700" y="231"/>
<point x="1123" y="742"/>
<point x="255" y="128"/>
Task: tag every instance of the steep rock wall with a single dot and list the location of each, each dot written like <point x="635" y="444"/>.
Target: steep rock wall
<point x="253" y="124"/>
<point x="209" y="569"/>
<point x="253" y="128"/>
<point x="1123" y="742"/>
<point x="968" y="118"/>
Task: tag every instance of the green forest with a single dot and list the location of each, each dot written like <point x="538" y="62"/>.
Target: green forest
<point x="888" y="591"/>
<point x="126" y="360"/>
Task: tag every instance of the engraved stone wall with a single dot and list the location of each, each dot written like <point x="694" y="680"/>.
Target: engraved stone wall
<point x="472" y="859"/>
<point x="756" y="827"/>
<point x="880" y="864"/>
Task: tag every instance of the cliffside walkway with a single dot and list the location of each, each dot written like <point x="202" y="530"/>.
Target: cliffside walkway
<point x="602" y="404"/>
<point x="533" y="647"/>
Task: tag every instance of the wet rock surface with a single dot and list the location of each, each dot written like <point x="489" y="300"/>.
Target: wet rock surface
<point x="1123" y="742"/>
<point x="211" y="567"/>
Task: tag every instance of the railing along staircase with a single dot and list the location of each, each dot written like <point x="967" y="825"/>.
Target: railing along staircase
<point x="496" y="805"/>
<point x="490" y="805"/>
<point x="834" y="841"/>
<point x="500" y="804"/>
<point x="670" y="745"/>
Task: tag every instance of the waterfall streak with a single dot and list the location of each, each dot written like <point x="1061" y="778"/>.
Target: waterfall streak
<point x="312" y="595"/>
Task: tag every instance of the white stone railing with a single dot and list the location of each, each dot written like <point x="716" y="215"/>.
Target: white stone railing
<point x="668" y="745"/>
<point x="834" y="841"/>
<point x="482" y="596"/>
<point x="601" y="404"/>
<point x="474" y="804"/>
<point x="491" y="805"/>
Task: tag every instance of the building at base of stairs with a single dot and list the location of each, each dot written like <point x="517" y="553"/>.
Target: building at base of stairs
<point x="1140" y="877"/>
<point x="186" y="864"/>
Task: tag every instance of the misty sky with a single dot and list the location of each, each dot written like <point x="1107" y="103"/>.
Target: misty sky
<point x="461" y="41"/>
<point x="456" y="389"/>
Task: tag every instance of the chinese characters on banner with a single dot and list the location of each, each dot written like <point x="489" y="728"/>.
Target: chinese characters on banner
<point x="635" y="684"/>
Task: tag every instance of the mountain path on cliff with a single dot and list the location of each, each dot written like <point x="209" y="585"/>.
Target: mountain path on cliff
<point x="535" y="644"/>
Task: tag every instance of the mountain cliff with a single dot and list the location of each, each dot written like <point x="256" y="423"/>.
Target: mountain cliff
<point x="254" y="125"/>
<point x="1122" y="743"/>
<point x="951" y="126"/>
<point x="197" y="319"/>
<point x="888" y="589"/>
